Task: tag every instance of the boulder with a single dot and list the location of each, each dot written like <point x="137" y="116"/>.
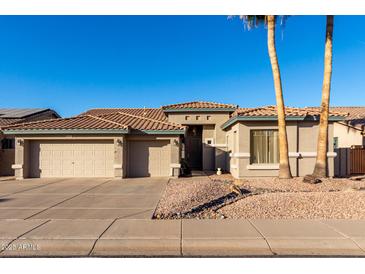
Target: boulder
<point x="235" y="189"/>
<point x="310" y="179"/>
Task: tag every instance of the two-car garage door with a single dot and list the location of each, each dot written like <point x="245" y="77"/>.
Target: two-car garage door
<point x="71" y="158"/>
<point x="95" y="158"/>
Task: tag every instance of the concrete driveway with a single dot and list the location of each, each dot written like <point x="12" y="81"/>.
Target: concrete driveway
<point x="103" y="217"/>
<point x="80" y="198"/>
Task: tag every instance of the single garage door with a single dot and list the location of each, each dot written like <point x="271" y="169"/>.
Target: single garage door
<point x="149" y="158"/>
<point x="71" y="158"/>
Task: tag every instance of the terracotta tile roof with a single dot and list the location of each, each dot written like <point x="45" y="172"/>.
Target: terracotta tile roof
<point x="116" y="120"/>
<point x="81" y="122"/>
<point x="153" y="113"/>
<point x="6" y="122"/>
<point x="289" y="112"/>
<point x="199" y="105"/>
<point x="355" y="114"/>
<point x="141" y="123"/>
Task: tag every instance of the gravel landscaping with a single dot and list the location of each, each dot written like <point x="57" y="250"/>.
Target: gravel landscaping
<point x="215" y="197"/>
<point x="314" y="205"/>
<point x="184" y="194"/>
<point x="293" y="185"/>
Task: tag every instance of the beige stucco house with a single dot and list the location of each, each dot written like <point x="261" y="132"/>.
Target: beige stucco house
<point x="11" y="116"/>
<point x="139" y="142"/>
<point x="350" y="132"/>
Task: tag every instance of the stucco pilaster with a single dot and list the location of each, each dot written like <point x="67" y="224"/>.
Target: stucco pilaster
<point x="292" y="133"/>
<point x="19" y="158"/>
<point x="119" y="151"/>
<point x="175" y="156"/>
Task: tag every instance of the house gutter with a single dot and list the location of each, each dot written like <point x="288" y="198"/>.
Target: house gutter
<point x="165" y="132"/>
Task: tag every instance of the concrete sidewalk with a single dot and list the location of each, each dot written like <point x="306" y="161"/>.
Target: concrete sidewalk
<point x="132" y="237"/>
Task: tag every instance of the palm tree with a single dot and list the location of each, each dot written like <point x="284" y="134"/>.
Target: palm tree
<point x="320" y="169"/>
<point x="270" y="22"/>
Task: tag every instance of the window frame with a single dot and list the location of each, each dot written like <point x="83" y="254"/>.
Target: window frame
<point x="267" y="144"/>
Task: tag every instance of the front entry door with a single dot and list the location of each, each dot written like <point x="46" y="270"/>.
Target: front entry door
<point x="194" y="147"/>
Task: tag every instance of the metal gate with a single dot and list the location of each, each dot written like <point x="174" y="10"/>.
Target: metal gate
<point x="357" y="160"/>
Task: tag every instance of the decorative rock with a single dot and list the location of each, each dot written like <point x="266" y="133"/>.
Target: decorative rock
<point x="235" y="189"/>
<point x="310" y="179"/>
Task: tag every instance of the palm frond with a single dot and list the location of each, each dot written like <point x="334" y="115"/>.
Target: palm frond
<point x="254" y="21"/>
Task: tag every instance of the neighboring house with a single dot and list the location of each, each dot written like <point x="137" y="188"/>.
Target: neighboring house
<point x="142" y="142"/>
<point x="349" y="134"/>
<point x="12" y="116"/>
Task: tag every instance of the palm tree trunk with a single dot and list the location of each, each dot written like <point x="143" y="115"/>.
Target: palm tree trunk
<point x="320" y="169"/>
<point x="284" y="167"/>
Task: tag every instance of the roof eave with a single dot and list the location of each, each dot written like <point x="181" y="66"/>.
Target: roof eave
<point x="336" y="118"/>
<point x="55" y="113"/>
<point x="64" y="131"/>
<point x="274" y="118"/>
<point x="90" y="131"/>
<point x="257" y="118"/>
<point x="156" y="132"/>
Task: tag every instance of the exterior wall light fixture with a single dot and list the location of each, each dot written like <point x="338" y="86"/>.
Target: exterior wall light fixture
<point x="20" y="142"/>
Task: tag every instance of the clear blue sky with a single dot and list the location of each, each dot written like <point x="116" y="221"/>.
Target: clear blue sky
<point x="72" y="64"/>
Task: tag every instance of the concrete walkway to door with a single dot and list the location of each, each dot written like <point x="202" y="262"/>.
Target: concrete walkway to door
<point x="80" y="198"/>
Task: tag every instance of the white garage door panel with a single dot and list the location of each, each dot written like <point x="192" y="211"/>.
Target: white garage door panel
<point x="72" y="159"/>
<point x="149" y="158"/>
